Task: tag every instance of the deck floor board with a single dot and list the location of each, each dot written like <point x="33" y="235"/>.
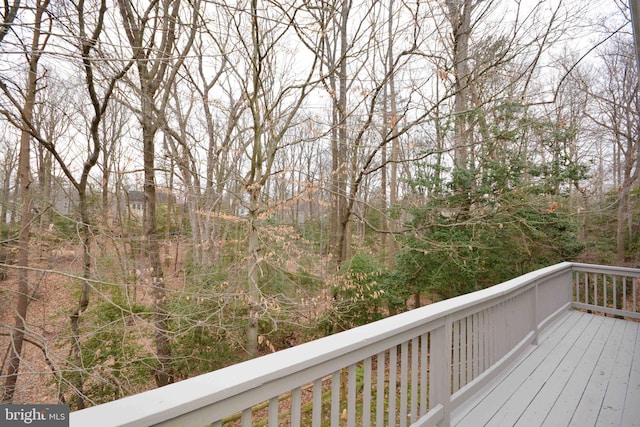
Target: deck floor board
<point x="584" y="372"/>
<point x="612" y="406"/>
<point x="631" y="410"/>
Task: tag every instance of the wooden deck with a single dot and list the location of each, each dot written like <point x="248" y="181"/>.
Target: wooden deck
<point x="584" y="372"/>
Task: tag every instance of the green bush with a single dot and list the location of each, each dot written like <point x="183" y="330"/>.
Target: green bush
<point x="206" y="323"/>
<point x="452" y="256"/>
<point x="66" y="228"/>
<point x="359" y="292"/>
<point x="115" y="362"/>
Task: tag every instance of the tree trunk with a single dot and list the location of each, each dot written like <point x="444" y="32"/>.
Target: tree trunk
<point x="83" y="301"/>
<point x="342" y="251"/>
<point x="395" y="145"/>
<point x="24" y="173"/>
<point x="254" y="187"/>
<point x="253" y="293"/>
<point x="22" y="297"/>
<point x="459" y="15"/>
<point x="106" y="178"/>
<point x="623" y="215"/>
<point x="162" y="372"/>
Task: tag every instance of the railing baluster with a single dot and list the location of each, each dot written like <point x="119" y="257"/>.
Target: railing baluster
<point x="393" y="365"/>
<point x="476" y="345"/>
<point x="483" y="341"/>
<point x="624" y="293"/>
<point x="351" y="396"/>
<point x="522" y="322"/>
<point x="469" y="350"/>
<point x="498" y="334"/>
<point x="245" y="419"/>
<point x="471" y="332"/>
<point x="404" y="382"/>
<point x="415" y="369"/>
<point x="273" y="412"/>
<point x="516" y="328"/>
<point x="456" y="355"/>
<point x="506" y="312"/>
<point x="463" y="352"/>
<point x="296" y="407"/>
<point x="615" y="292"/>
<point x="484" y="335"/>
<point x="635" y="295"/>
<point x="600" y="288"/>
<point x="502" y="327"/>
<point x="380" y="383"/>
<point x="515" y="312"/>
<point x="486" y="338"/>
<point x="492" y="335"/>
<point x="335" y="399"/>
<point x="586" y="288"/>
<point x="366" y="393"/>
<point x="317" y="403"/>
<point x="440" y="370"/>
<point x="424" y="373"/>
<point x="510" y="322"/>
<point x="527" y="323"/>
<point x="604" y="290"/>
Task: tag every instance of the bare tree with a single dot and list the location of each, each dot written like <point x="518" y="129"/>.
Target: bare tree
<point x="52" y="123"/>
<point x="153" y="32"/>
<point x="220" y="128"/>
<point x="618" y="113"/>
<point x="113" y="129"/>
<point x="273" y="104"/>
<point x="353" y="122"/>
<point x="459" y="16"/>
<point x="85" y="41"/>
<point x="33" y="54"/>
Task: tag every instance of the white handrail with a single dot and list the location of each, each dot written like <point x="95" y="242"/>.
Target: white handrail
<point x="455" y="346"/>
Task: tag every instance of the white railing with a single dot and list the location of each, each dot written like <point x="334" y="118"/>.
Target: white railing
<point x="409" y="369"/>
<point x="609" y="290"/>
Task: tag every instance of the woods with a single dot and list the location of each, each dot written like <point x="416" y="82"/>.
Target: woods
<point x="188" y="184"/>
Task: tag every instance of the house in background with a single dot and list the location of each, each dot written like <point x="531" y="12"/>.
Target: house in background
<point x="64" y="200"/>
<point x="135" y="201"/>
<point x="135" y="204"/>
<point x="168" y="210"/>
<point x="61" y="198"/>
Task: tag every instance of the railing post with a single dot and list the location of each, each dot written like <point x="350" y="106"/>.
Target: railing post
<point x="440" y="369"/>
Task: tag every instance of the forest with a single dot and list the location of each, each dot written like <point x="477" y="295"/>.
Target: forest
<point x="187" y="184"/>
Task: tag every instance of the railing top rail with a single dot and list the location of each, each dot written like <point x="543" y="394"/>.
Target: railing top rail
<point x="606" y="269"/>
<point x="189" y="395"/>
